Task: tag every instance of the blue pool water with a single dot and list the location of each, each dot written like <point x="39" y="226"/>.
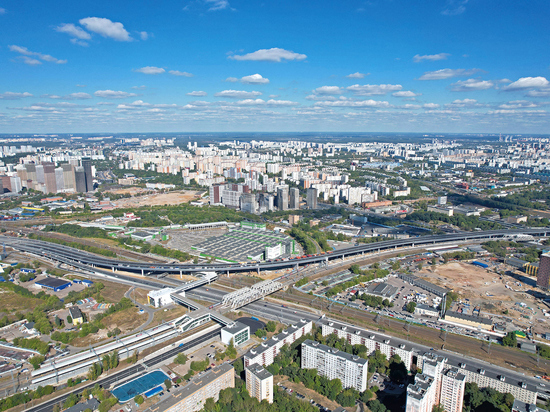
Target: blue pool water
<point x="139" y="385"/>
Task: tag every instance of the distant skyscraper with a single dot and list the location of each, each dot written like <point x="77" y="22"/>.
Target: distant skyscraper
<point x="49" y="177"/>
<point x="312" y="195"/>
<point x="87" y="165"/>
<point x="80" y="179"/>
<point x="59" y="179"/>
<point x="249" y="203"/>
<point x="68" y="177"/>
<point x="294" y="198"/>
<point x="282" y="198"/>
<point x="543" y="275"/>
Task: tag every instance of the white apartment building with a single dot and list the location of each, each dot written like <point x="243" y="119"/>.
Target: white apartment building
<point x="259" y="383"/>
<point x="421" y="394"/>
<point x="452" y="390"/>
<point x="266" y="352"/>
<point x="335" y="364"/>
<point x="372" y="341"/>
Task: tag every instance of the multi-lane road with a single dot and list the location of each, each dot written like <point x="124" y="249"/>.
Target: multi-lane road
<point x="73" y="256"/>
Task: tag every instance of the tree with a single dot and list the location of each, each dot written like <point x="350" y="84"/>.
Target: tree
<point x="35" y="361"/>
<point x="376" y="406"/>
<point x="420" y="266"/>
<point x="139" y="399"/>
<point x="231" y="351"/>
<point x="69" y="320"/>
<point x="167" y="384"/>
<point x="239" y="366"/>
<point x="411" y="307"/>
<point x="180" y="359"/>
<point x="396" y="265"/>
<point x="434" y="261"/>
<point x="438" y="408"/>
<point x="510" y="339"/>
<point x="271" y="326"/>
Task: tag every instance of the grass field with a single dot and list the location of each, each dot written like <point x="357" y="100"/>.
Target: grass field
<point x="11" y="302"/>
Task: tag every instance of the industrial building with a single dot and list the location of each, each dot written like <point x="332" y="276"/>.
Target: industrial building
<point x="266" y="352"/>
<point x="245" y="243"/>
<point x="54" y="284"/>
<point x="259" y="383"/>
<point x="335" y="364"/>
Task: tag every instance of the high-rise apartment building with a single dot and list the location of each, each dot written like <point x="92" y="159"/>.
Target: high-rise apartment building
<point x="86" y="163"/>
<point x="543" y="275"/>
<point x="421" y="394"/>
<point x="294" y="198"/>
<point x="311" y="200"/>
<point x="248" y="203"/>
<point x="59" y="179"/>
<point x="48" y="169"/>
<point x="80" y="179"/>
<point x="452" y="390"/>
<point x="335" y="364"/>
<point x="282" y="198"/>
<point x="259" y="383"/>
<point x="68" y="177"/>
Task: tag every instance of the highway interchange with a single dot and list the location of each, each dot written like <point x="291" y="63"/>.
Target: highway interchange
<point x="93" y="263"/>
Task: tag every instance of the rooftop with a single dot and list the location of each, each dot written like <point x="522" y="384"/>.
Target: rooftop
<point x="259" y="371"/>
<point x="252" y="353"/>
<point x="336" y="352"/>
<point x="52" y="282"/>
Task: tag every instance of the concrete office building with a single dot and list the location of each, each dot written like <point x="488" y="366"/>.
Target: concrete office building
<point x="282" y="198"/>
<point x="312" y="195"/>
<point x="452" y="390"/>
<point x="294" y="198"/>
<point x="335" y="364"/>
<point x="80" y="179"/>
<point x="543" y="274"/>
<point x="236" y="331"/>
<point x="192" y="396"/>
<point x="259" y="383"/>
<point x="266" y="352"/>
<point x="421" y="394"/>
<point x="86" y="163"/>
<point x="371" y="340"/>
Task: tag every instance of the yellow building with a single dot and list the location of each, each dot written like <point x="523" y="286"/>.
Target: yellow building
<point x="76" y="315"/>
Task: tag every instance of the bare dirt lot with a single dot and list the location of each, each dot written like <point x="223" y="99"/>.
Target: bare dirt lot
<point x="157" y="199"/>
<point x="492" y="292"/>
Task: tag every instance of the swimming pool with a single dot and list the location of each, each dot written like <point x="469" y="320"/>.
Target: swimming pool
<point x="139" y="385"/>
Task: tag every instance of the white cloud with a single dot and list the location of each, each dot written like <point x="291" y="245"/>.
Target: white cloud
<point x="150" y="70"/>
<point x="518" y="104"/>
<point x="270" y="55"/>
<point x="217" y="4"/>
<point x="464" y="103"/>
<point x="2" y="10"/>
<point x="72" y="96"/>
<point x="528" y="83"/>
<point x="447" y="74"/>
<point x="357" y="75"/>
<point x="430" y="57"/>
<point x="328" y="90"/>
<point x="353" y="103"/>
<point x="79" y="42"/>
<point x="197" y="93"/>
<point x="80" y="85"/>
<point x="260" y="102"/>
<point x="26" y="53"/>
<point x="178" y="73"/>
<point x="237" y="94"/>
<point x="454" y="7"/>
<point x="539" y="93"/>
<point x="106" y="28"/>
<point x="73" y="31"/>
<point x="143" y="35"/>
<point x="14" y="96"/>
<point x="111" y="94"/>
<point x="254" y="79"/>
<point x="373" y="89"/>
<point x="139" y="87"/>
<point x="471" y="84"/>
<point x="232" y="79"/>
<point x="411" y="106"/>
<point x="405" y="93"/>
<point x="431" y="106"/>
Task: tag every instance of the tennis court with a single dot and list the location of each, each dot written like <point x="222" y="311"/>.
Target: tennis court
<point x="139" y="385"/>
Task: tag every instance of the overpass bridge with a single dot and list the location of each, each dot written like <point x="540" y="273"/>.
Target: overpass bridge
<point x="73" y="256"/>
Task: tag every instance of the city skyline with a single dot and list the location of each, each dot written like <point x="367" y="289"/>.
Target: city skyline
<point x="453" y="66"/>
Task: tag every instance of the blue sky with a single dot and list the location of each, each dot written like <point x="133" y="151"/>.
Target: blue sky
<point x="228" y="65"/>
